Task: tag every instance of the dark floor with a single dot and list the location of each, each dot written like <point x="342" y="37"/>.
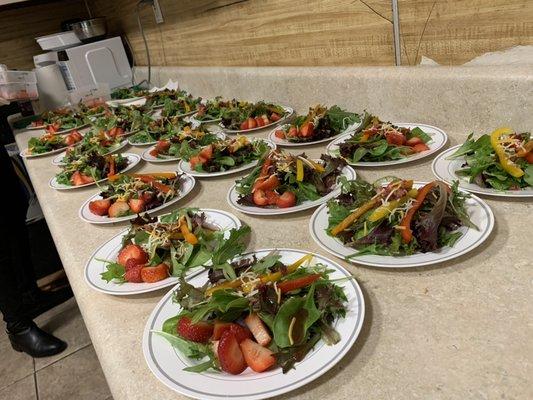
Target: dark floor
<point x="73" y="374"/>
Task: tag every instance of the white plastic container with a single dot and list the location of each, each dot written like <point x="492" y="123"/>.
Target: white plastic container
<point x="17" y="77"/>
<point x="58" y="41"/>
<point x="18" y="85"/>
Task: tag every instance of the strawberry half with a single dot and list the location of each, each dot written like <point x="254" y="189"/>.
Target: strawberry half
<point x="230" y="355"/>
<point x="133" y="274"/>
<point x="155" y="274"/>
<point x="199" y="332"/>
<point x="257" y="357"/>
<point x="132" y="251"/>
<point x="258" y="329"/>
<point x="100" y="207"/>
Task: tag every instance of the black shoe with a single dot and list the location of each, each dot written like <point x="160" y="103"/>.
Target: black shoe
<point x="39" y="301"/>
<point x="36" y="342"/>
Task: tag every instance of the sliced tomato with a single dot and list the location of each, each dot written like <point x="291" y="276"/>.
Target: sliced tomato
<point x="287" y="199"/>
<point x="298" y="283"/>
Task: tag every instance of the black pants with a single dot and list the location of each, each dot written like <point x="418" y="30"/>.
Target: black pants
<point x="16" y="269"/>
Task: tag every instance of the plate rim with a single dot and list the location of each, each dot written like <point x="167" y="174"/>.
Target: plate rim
<point x="441" y="158"/>
<point x="171" y="280"/>
<point x="287" y="388"/>
<point x="405" y="160"/>
<point x="355" y="261"/>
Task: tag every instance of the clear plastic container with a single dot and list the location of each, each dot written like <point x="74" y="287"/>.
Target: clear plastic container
<point x="19" y="91"/>
<point x="17" y="77"/>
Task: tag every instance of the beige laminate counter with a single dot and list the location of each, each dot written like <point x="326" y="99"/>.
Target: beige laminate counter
<point x="462" y="329"/>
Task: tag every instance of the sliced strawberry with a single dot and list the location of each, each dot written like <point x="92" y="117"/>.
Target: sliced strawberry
<point x="265" y="119"/>
<point x="162" y="146"/>
<point x="269" y="184"/>
<point x="274" y="117"/>
<point x="280" y="134"/>
<point x="206" y="153"/>
<point x="395" y="138"/>
<point x="199" y="332"/>
<point x="78" y="179"/>
<point x="230" y="355"/>
<point x="259" y="121"/>
<point x="257" y="357"/>
<point x="260" y="198"/>
<point x="219" y="329"/>
<point x="287" y="199"/>
<point x="133" y="274"/>
<point x="137" y="205"/>
<point x="132" y="263"/>
<point x="414" y="141"/>
<point x="155" y="274"/>
<point x="244" y="125"/>
<point x="307" y="130"/>
<point x="251" y="123"/>
<point x="154" y="152"/>
<point x="273" y="197"/>
<point x="147" y="196"/>
<point x="258" y="329"/>
<point x="118" y="209"/>
<point x="99" y="207"/>
<point x="196" y="160"/>
<point x="241" y="332"/>
<point x="419" y="148"/>
<point x="132" y="251"/>
<point x="293" y="132"/>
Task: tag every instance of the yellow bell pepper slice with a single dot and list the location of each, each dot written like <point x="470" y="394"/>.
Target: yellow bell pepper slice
<point x="385" y="209"/>
<point x="507" y="164"/>
<point x="299" y="170"/>
<point x="275" y="276"/>
<point x="317" y="166"/>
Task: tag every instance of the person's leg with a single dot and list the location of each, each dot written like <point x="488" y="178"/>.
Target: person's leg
<point x="23" y="333"/>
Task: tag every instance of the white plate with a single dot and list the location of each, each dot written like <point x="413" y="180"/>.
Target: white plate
<point x="288" y="113"/>
<point x="286" y="143"/>
<point x="438" y="136"/>
<point x="132" y="101"/>
<point x="479" y="212"/>
<point x="167" y="364"/>
<point x="444" y="169"/>
<point x="86" y="215"/>
<point x="110" y="250"/>
<point x="35" y="128"/>
<point x="185" y="166"/>
<point x="139" y="144"/>
<point x="57" y="159"/>
<point x="233" y="196"/>
<point x="133" y="159"/>
<point x="24" y="153"/>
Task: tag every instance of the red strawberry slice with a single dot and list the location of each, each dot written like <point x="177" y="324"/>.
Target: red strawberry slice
<point x="239" y="331"/>
<point x="219" y="329"/>
<point x="257" y="357"/>
<point x="258" y="329"/>
<point x="132" y="251"/>
<point x="100" y="207"/>
<point x="199" y="332"/>
<point x="136" y="205"/>
<point x="133" y="274"/>
<point x="155" y="274"/>
<point x="230" y="355"/>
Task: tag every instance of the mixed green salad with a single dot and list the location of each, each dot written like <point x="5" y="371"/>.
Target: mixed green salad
<point x="284" y="180"/>
<point x="224" y="154"/>
<point x="91" y="167"/>
<point x="51" y="141"/>
<point x="158" y="129"/>
<point x="319" y="123"/>
<point x="155" y="249"/>
<point x="95" y="141"/>
<point x="184" y="142"/>
<point x="502" y="160"/>
<point x="182" y="106"/>
<point x="258" y="313"/>
<point x="212" y="110"/>
<point x="128" y="93"/>
<point x="394" y="218"/>
<point x="243" y="115"/>
<point x="375" y="140"/>
<point x="127" y="119"/>
<point x="159" y="98"/>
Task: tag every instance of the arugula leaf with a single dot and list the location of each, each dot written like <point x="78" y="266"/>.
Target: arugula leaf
<point x="263" y="265"/>
<point x="188" y="348"/>
<point x="341" y="119"/>
<point x="417" y="132"/>
<point x="114" y="272"/>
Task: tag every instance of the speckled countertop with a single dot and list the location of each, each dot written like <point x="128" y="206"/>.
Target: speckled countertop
<point x="462" y="329"/>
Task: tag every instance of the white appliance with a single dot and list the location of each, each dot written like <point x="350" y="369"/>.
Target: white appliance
<point x="91" y="65"/>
